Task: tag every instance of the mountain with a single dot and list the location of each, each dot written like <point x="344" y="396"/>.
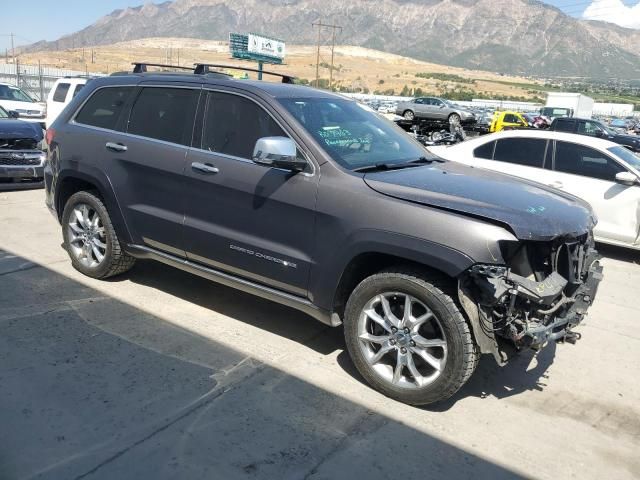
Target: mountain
<point x="514" y="36"/>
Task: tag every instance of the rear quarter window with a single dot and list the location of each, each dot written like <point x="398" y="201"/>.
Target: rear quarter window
<point x="485" y="151"/>
<point x="104" y="107"/>
<point x="61" y="91"/>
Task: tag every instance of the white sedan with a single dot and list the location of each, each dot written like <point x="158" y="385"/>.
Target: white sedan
<point x="603" y="173"/>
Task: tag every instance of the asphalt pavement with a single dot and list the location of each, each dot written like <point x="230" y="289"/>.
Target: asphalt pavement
<point x="163" y="375"/>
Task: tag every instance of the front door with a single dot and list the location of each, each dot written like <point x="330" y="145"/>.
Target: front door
<point x="590" y="174"/>
<point x="250" y="220"/>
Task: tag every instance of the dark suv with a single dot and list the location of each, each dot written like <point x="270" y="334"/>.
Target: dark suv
<point x="594" y="128"/>
<point x="310" y="199"/>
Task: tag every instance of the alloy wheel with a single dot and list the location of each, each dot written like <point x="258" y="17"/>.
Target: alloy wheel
<point x="86" y="235"/>
<point x="402" y="340"/>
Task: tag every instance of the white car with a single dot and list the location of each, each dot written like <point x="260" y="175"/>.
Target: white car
<point x="603" y="173"/>
<point x="61" y="94"/>
<point x="15" y="99"/>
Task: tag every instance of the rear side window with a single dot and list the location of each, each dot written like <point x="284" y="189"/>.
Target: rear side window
<point x="61" y="92"/>
<point x="522" y="151"/>
<point x="104" y="107"/>
<point x="79" y="87"/>
<point x="484" y="151"/>
<point x="564" y="126"/>
<point x="588" y="128"/>
<point x="164" y="114"/>
<point x="588" y="162"/>
<point x="233" y="124"/>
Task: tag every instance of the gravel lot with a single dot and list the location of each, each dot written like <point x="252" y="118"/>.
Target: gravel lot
<point x="160" y="374"/>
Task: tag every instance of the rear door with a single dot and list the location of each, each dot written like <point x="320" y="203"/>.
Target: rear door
<point x="247" y="219"/>
<point x="139" y="137"/>
<point x="590" y="174"/>
<point x="522" y="157"/>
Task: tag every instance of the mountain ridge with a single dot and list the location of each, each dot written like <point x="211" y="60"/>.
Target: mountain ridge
<point x="517" y="36"/>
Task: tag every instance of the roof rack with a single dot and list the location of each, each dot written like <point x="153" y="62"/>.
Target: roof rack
<point x="202" y="68"/>
<point x="141" y="67"/>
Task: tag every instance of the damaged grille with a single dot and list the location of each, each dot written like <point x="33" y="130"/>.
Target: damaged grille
<point x="17" y="158"/>
<point x="542" y="292"/>
<point x="18" y="144"/>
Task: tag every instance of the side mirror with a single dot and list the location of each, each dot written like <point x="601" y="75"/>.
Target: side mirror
<point x="13" y="114"/>
<point x="278" y="152"/>
<point x="626" y="178"/>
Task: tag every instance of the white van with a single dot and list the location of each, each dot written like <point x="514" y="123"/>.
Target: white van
<point x="61" y="94"/>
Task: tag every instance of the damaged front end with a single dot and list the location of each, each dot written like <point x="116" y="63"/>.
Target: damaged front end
<point x="541" y="293"/>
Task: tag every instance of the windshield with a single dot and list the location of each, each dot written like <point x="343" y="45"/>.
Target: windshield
<point x="627" y="155"/>
<point x="354" y="136"/>
<point x="8" y="92"/>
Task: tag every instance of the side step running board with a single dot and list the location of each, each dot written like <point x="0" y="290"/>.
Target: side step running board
<point x="283" y="298"/>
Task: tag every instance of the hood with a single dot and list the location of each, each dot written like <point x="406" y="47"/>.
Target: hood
<point x="627" y="138"/>
<point x="531" y="210"/>
<point x="13" y="128"/>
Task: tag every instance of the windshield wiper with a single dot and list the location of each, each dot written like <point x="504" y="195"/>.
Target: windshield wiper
<point x="398" y="166"/>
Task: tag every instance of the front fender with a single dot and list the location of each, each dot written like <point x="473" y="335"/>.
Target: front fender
<point x="326" y="277"/>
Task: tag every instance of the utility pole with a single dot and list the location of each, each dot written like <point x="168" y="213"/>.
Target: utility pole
<point x="13" y="50"/>
<point x="320" y="26"/>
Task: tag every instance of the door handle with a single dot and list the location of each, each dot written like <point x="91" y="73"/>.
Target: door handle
<point x="556" y="184"/>
<point x="116" y="147"/>
<point x="204" y="167"/>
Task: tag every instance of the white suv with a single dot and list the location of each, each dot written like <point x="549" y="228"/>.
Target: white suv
<point x="603" y="173"/>
<point x="61" y="94"/>
<point x="15" y="99"/>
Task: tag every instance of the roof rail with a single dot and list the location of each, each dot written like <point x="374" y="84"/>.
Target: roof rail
<point x="141" y="67"/>
<point x="202" y="68"/>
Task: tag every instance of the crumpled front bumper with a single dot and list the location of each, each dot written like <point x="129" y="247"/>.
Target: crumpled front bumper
<point x="22" y="171"/>
<point x="582" y="300"/>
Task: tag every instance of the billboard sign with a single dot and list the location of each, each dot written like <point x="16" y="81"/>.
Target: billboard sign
<point x="268" y="47"/>
<point x="256" y="47"/>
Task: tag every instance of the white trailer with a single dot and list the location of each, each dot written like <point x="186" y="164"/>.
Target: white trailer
<point x="575" y="105"/>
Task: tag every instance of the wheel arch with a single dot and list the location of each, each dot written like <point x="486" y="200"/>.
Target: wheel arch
<point x="71" y="182"/>
<point x="381" y="251"/>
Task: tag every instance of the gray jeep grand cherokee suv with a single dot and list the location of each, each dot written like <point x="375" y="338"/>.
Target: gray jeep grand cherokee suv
<point x="309" y="199"/>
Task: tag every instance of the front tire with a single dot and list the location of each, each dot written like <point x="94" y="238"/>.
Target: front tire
<point x="408" y="338"/>
<point x="90" y="239"/>
<point x="454" y="119"/>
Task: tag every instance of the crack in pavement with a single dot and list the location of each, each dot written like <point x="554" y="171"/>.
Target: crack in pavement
<point x="207" y="398"/>
<point x="356" y="428"/>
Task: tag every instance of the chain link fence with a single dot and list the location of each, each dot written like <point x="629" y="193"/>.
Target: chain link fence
<point x="36" y="80"/>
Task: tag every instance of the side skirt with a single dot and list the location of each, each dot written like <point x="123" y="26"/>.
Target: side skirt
<point x="283" y="298"/>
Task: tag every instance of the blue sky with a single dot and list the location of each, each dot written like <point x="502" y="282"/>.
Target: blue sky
<point x="33" y="20"/>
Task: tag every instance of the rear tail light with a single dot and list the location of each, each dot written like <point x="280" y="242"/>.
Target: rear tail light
<point x="50" y="135"/>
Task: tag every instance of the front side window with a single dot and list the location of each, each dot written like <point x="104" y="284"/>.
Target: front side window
<point x="233" y="124"/>
<point x="104" y="107"/>
<point x="351" y="135"/>
<point x="522" y="151"/>
<point x="61" y="92"/>
<point x="588" y="128"/>
<point x="588" y="162"/>
<point x="164" y="114"/>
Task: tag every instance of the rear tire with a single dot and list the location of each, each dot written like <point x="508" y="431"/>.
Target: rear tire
<point x="90" y="239"/>
<point x="442" y="350"/>
<point x="408" y="115"/>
